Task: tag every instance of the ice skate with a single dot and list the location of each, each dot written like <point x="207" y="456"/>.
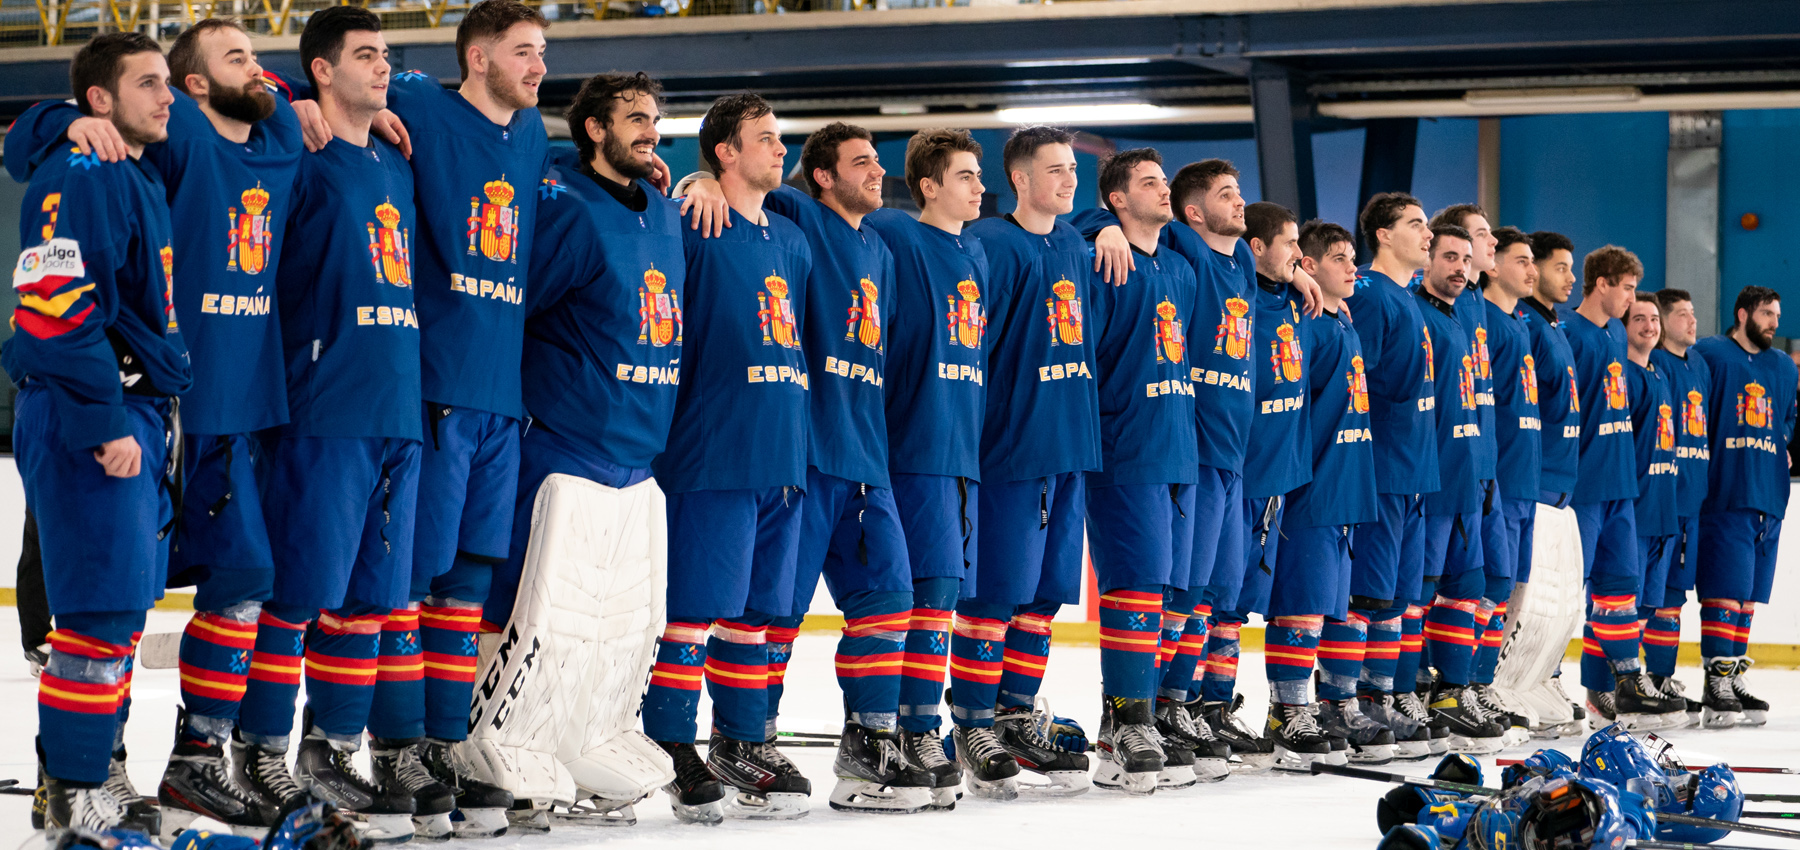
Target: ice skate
<point x="263" y="774"/>
<point x="1756" y="711"/>
<point x="1296" y="736"/>
<point x="1411" y="740"/>
<point x="1370" y="742"/>
<point x="1253" y="752"/>
<point x="768" y="786"/>
<point x="1516" y="729"/>
<point x="1639" y="706"/>
<point x="72" y="807"/>
<point x="141" y="814"/>
<point x="874" y="777"/>
<point x="1674" y="688"/>
<point x="323" y="766"/>
<point x="1435" y="735"/>
<point x="594" y="811"/>
<point x="696" y="795"/>
<point x="397" y="764"/>
<point x="1340" y="743"/>
<point x="991" y="771"/>
<point x="1182" y="733"/>
<point x="1026" y="734"/>
<point x="926" y="749"/>
<point x="480" y="807"/>
<point x="1130" y="751"/>
<point x="1719" y="706"/>
<point x="1471" y="731"/>
<point x="199" y="783"/>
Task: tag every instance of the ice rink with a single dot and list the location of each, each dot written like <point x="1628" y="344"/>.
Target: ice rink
<point x="1268" y="810"/>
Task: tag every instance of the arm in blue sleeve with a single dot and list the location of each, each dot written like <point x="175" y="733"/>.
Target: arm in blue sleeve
<point x="35" y="135"/>
<point x="786" y="202"/>
<point x="1091" y="222"/>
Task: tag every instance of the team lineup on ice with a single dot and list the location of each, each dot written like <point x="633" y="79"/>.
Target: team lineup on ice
<point x="518" y="466"/>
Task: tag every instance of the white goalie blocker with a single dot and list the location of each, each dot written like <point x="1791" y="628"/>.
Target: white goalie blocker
<point x="1541" y="618"/>
<point x="554" y="719"/>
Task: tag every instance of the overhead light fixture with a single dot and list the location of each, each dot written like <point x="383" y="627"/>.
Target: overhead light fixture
<point x="1095" y="113"/>
<point x="1064" y="63"/>
<point x="1554" y="96"/>
<point x="684" y="126"/>
<point x="903" y="109"/>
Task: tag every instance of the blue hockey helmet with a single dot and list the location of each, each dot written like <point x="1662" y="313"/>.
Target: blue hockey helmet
<point x="1710" y="793"/>
<point x="1545" y="763"/>
<point x="1614" y="756"/>
<point x="1575" y="813"/>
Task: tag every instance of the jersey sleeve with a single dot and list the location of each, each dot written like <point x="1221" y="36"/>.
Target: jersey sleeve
<point x="787" y="202"/>
<point x="33" y="137"/>
<point x="1090" y="222"/>
<point x="68" y="294"/>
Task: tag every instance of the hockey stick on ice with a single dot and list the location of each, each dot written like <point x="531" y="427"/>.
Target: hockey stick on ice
<point x="1734" y="768"/>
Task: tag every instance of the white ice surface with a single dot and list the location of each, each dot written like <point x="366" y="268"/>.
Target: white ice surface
<point x="1275" y="811"/>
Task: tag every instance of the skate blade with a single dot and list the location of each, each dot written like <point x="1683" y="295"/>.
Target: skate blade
<point x="1516" y="736"/>
<point x="1641" y="722"/>
<point x="479" y="823"/>
<point x="708" y="814"/>
<point x="1061" y="783"/>
<point x="1338" y="757"/>
<point x="862" y="796"/>
<point x="778" y="806"/>
<point x="1475" y="746"/>
<point x="1373" y="754"/>
<point x="596" y="812"/>
<point x="1412" y="750"/>
<point x="1002" y="789"/>
<point x="1754" y="718"/>
<point x="1211" y="770"/>
<point x="1440" y="746"/>
<point x="433" y="827"/>
<point x="384" y="829"/>
<point x="1177" y="778"/>
<point x="1252" y="762"/>
<point x="1112" y="776"/>
<point x="1291" y="762"/>
<point x="1720" y="719"/>
<point x="533" y="819"/>
<point x="944" y="799"/>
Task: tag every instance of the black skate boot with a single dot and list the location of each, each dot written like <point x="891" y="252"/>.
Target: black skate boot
<point x="769" y="787"/>
<point x="874" y="777"/>
<point x="1340" y="743"/>
<point x="86" y="807"/>
<point x="926" y="749"/>
<point x="1413" y="706"/>
<point x="141" y="815"/>
<point x="1253" y="752"/>
<point x="323" y="767"/>
<point x="1025" y="733"/>
<point x="480" y="807"/>
<point x="696" y="794"/>
<point x="1756" y="711"/>
<point x="1674" y="687"/>
<point x="1639" y="706"/>
<point x="1603" y="704"/>
<point x="1411" y="741"/>
<point x="1297" y="737"/>
<point x="1370" y="743"/>
<point x="1720" y="707"/>
<point x="262" y="773"/>
<point x="398" y="764"/>
<point x="198" y="783"/>
<point x="991" y="771"/>
<point x="1180" y="732"/>
<point x="1517" y="728"/>
<point x="1471" y="730"/>
<point x="1131" y="753"/>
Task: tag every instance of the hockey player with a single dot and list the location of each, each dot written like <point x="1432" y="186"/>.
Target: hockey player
<point x="97" y="356"/>
<point x="1039" y="436"/>
<point x="1453" y="553"/>
<point x="1653" y="436"/>
<point x="1689" y="388"/>
<point x="850" y="527"/>
<point x="1506" y="530"/>
<point x="734" y="468"/>
<point x="1141" y="504"/>
<point x="1604" y="491"/>
<point x="1388" y="554"/>
<point x="602" y="352"/>
<point x="935" y="380"/>
<point x="233" y="147"/>
<point x="1752" y="419"/>
<point x="1312" y="568"/>
<point x="344" y="472"/>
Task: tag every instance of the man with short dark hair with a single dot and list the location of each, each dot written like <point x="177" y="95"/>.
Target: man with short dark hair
<point x="97" y="356"/>
<point x="1389" y="554"/>
<point x="233" y="148"/>
<point x="935" y="394"/>
<point x="1690" y="388"/>
<point x="1752" y="427"/>
<point x="1653" y="436"/>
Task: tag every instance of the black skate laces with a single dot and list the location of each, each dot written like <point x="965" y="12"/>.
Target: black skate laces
<point x="690" y="769"/>
<point x="214" y="767"/>
<point x="440" y="762"/>
<point x="1737" y="678"/>
<point x="1181" y="723"/>
<point x="1236" y="723"/>
<point x="341" y="762"/>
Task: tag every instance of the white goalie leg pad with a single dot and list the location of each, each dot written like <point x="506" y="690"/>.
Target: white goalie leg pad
<point x="552" y="666"/>
<point x="1541" y="618"/>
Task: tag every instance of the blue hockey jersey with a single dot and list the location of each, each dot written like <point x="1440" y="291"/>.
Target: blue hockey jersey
<point x="1751" y="415"/>
<point x="477" y="199"/>
<point x="1690" y="389"/>
<point x="1559" y="402"/>
<point x="741" y="411"/>
<point x="94" y="321"/>
<point x="1471" y="311"/>
<point x="936" y="361"/>
<point x="1402" y="394"/>
<point x="852" y="284"/>
<point x="349" y="332"/>
<point x="1219" y="355"/>
<point x="1146" y="402"/>
<point x="1458" y="410"/>
<point x="1042" y="405"/>
<point x="1518" y="422"/>
<point x="1653" y="430"/>
<point x="224" y="269"/>
<point x="1279" y="457"/>
<point x="1342" y="491"/>
<point x="1608" y="469"/>
<point x="603" y="345"/>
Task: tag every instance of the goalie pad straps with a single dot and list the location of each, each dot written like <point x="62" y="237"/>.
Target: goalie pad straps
<point x="1662" y="640"/>
<point x="927" y="650"/>
<point x="1342" y="645"/>
<point x="398" y="710"/>
<point x="737" y="676"/>
<point x="674" y="696"/>
<point x="1181" y="667"/>
<point x="449" y="635"/>
<point x="1027" y="651"/>
<point x="1131" y="620"/>
<point x="869" y="657"/>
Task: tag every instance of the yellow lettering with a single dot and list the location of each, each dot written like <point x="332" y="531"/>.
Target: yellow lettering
<point x="209" y="303"/>
<point x="756" y="374"/>
<point x="365" y="315"/>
